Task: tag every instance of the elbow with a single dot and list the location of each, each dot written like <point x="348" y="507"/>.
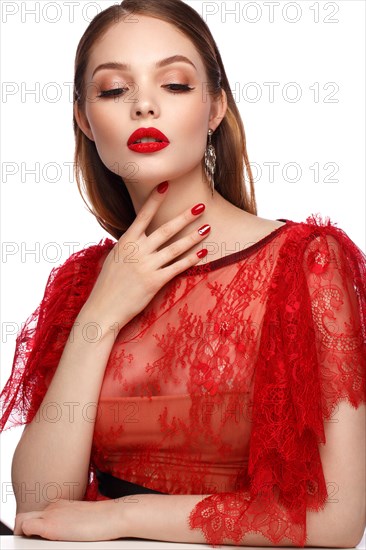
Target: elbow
<point x="335" y="528"/>
<point x="350" y="535"/>
<point x="356" y="524"/>
<point x="354" y="538"/>
<point x="351" y="542"/>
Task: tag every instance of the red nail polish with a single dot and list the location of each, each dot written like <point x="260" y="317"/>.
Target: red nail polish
<point x="163" y="186"/>
<point x="202" y="253"/>
<point x="204" y="229"/>
<point x="198" y="208"/>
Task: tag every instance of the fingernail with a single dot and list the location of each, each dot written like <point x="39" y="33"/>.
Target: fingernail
<point x="204" y="229"/>
<point x="198" y="208"/>
<point x="163" y="186"/>
<point x="202" y="253"/>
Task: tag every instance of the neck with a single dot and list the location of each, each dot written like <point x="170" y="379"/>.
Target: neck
<point x="183" y="193"/>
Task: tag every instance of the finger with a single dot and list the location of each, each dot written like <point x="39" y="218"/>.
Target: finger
<point x="147" y="211"/>
<point x="32" y="527"/>
<point x="18" y="530"/>
<point x="21" y="518"/>
<point x="169" y="229"/>
<point x="177" y="248"/>
<point x="178" y="267"/>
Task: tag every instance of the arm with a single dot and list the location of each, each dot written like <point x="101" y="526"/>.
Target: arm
<point x="286" y="455"/>
<point x="166" y="517"/>
<point x="52" y="362"/>
<point x="343" y="458"/>
<point x="52" y="458"/>
<point x="340" y="524"/>
<point x="319" y="436"/>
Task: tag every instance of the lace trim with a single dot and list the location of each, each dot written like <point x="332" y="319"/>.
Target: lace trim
<point x="236" y="256"/>
<point x="309" y="354"/>
<point x="40" y="342"/>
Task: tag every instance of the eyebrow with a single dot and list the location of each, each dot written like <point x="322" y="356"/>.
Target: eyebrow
<point x="158" y="64"/>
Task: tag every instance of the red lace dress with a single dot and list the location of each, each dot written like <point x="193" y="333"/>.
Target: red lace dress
<point x="222" y="384"/>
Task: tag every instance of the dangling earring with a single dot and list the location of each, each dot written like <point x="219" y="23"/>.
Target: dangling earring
<point x="210" y="161"/>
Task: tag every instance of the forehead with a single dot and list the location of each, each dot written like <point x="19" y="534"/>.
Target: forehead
<point x="141" y="41"/>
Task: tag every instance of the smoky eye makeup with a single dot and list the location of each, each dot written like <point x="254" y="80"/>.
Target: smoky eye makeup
<point x="173" y="81"/>
<point x="182" y="75"/>
<point x="98" y="87"/>
<point x="108" y="84"/>
<point x="173" y="88"/>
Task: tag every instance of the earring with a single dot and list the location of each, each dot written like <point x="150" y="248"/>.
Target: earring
<point x="210" y="161"/>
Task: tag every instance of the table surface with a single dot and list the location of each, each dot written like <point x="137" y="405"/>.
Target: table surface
<point x="35" y="543"/>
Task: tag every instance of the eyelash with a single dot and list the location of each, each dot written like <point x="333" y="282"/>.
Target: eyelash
<point x="111" y="93"/>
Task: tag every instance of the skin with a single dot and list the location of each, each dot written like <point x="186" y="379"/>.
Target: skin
<point x="183" y="117"/>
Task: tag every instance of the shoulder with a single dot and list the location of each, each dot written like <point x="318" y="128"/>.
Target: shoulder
<point x="314" y="229"/>
<point x="93" y="254"/>
<point x="82" y="265"/>
<point x="69" y="283"/>
<point x="320" y="243"/>
<point x="316" y="226"/>
<point x="299" y="235"/>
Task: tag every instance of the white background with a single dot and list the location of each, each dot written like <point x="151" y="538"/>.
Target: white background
<point x="313" y="49"/>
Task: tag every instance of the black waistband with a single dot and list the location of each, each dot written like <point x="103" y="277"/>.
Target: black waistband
<point x="114" y="487"/>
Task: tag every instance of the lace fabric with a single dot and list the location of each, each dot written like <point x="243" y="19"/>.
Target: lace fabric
<point x="222" y="384"/>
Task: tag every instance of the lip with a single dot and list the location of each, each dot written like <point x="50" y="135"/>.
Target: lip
<point x="147" y="132"/>
<point x="151" y="147"/>
<point x="148" y="147"/>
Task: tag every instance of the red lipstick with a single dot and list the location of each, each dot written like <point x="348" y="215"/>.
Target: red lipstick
<point x="147" y="147"/>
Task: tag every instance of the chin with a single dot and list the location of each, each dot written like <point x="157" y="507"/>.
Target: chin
<point x="150" y="179"/>
<point x="147" y="182"/>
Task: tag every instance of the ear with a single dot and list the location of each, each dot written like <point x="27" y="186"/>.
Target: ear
<point x="82" y="121"/>
<point x="218" y="110"/>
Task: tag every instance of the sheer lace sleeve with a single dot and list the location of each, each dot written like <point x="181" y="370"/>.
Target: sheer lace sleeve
<point x="336" y="275"/>
<point x="312" y="354"/>
<point x="40" y="342"/>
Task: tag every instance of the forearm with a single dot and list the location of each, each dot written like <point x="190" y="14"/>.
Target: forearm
<point x="52" y="458"/>
<point x="158" y="517"/>
<point x="165" y="518"/>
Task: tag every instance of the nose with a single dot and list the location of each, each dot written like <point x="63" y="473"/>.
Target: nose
<point x="144" y="107"/>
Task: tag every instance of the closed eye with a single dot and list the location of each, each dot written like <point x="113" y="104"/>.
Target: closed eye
<point x="178" y="89"/>
<point x="181" y="87"/>
<point x="112" y="93"/>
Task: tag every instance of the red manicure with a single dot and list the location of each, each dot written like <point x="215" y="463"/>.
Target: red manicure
<point x="202" y="253"/>
<point x="163" y="186"/>
<point x="204" y="229"/>
<point x="198" y="208"/>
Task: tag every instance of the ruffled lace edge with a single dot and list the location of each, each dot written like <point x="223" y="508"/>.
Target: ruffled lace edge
<point x="40" y="342"/>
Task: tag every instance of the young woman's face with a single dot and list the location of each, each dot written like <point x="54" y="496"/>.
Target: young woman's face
<point x="144" y="97"/>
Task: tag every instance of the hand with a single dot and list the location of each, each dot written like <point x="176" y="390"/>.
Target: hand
<point x="72" y="520"/>
<point x="133" y="270"/>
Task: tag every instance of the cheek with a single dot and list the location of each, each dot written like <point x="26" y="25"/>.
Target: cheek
<point x="192" y="126"/>
<point x="107" y="134"/>
<point x="104" y="124"/>
<point x="194" y="138"/>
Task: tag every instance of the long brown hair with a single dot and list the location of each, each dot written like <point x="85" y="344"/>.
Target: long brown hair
<point x="107" y="193"/>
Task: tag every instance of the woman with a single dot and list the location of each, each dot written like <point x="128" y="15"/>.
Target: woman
<point x="215" y="396"/>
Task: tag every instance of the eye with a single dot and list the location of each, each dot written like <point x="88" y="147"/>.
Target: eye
<point x="181" y="88"/>
<point x="174" y="89"/>
<point x="112" y="93"/>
